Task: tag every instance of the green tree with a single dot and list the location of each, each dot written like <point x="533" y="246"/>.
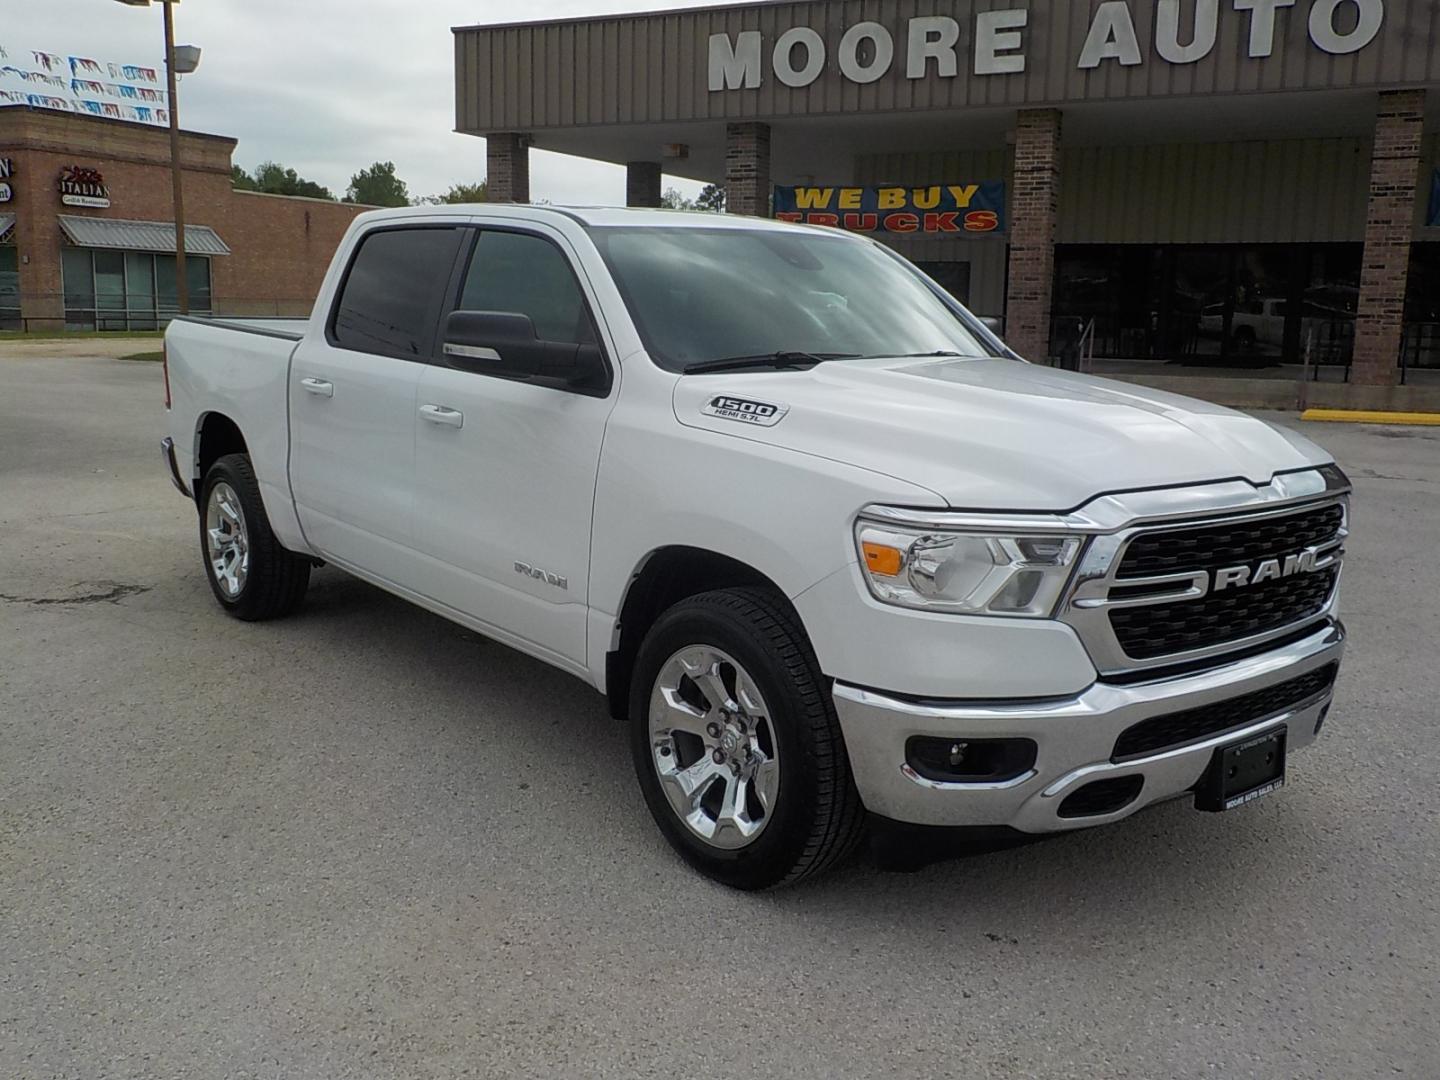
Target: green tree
<point x="712" y="198"/>
<point x="378" y="186"/>
<point x="673" y="200"/>
<point x="462" y="193"/>
<point x="275" y="179"/>
<point x="240" y="180"/>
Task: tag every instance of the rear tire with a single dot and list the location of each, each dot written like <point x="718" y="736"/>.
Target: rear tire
<point x="774" y="738"/>
<point x="252" y="576"/>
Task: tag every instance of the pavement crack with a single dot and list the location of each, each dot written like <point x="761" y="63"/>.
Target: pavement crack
<point x="111" y="595"/>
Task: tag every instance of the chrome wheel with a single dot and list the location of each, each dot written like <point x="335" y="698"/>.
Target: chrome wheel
<point x="227" y="544"/>
<point x="714" y="748"/>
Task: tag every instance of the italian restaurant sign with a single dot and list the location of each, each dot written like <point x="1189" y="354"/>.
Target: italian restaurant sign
<point x="964" y="209"/>
<point x="80" y="186"/>
<point x="7" y="170"/>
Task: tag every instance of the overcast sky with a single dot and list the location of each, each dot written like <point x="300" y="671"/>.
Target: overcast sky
<point x="326" y="86"/>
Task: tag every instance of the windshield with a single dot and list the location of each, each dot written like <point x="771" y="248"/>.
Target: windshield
<point x="701" y="295"/>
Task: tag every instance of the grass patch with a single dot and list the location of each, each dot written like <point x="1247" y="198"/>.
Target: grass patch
<point x="155" y="356"/>
<point x="77" y="335"/>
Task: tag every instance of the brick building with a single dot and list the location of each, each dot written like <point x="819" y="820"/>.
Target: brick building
<point x="1227" y="182"/>
<point x="87" y="235"/>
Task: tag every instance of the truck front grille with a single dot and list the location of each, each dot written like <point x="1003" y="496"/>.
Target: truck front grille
<point x="1193" y="725"/>
<point x="1152" y="631"/>
<point x="1161" y="560"/>
<point x="1235" y="543"/>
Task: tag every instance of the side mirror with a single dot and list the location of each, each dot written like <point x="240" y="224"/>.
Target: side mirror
<point x="994" y="324"/>
<point x="504" y="344"/>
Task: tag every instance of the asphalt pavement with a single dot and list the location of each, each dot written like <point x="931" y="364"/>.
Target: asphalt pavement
<point x="364" y="842"/>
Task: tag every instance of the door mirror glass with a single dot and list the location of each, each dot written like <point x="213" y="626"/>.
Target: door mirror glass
<point x="504" y="344"/>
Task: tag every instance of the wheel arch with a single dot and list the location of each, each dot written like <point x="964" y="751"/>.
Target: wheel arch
<point x="663" y="578"/>
<point x="216" y="435"/>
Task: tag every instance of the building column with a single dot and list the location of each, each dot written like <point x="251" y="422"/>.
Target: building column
<point x="1034" y="207"/>
<point x="747" y="169"/>
<point x="1389" y="229"/>
<point x="38" y="250"/>
<point x="507" y="170"/>
<point x="642" y="183"/>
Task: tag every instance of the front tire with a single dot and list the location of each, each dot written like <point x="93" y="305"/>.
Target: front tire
<point x="252" y="576"/>
<point x="736" y="744"/>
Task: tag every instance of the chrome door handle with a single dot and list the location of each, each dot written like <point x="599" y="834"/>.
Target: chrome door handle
<point x="318" y="387"/>
<point x="439" y="414"/>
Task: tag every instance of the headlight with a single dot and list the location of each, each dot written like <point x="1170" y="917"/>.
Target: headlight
<point x="1017" y="575"/>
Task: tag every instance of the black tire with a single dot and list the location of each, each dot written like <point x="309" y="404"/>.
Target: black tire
<point x="817" y="817"/>
<point x="277" y="578"/>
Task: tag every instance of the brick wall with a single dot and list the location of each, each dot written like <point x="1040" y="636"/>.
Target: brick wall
<point x="747" y="169"/>
<point x="1034" y="205"/>
<point x="280" y="246"/>
<point x="507" y="173"/>
<point x="1389" y="227"/>
<point x="642" y="183"/>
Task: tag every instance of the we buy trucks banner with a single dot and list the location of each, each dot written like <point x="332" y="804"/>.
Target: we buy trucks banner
<point x="931" y="210"/>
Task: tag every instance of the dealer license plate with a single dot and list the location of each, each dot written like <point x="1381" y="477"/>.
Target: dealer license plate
<point x="1243" y="772"/>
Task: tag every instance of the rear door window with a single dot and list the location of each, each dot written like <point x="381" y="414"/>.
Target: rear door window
<point x="392" y="295"/>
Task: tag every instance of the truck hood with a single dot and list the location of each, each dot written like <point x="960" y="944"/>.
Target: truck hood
<point x="993" y="434"/>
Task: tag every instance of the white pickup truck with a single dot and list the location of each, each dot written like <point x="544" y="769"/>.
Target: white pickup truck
<point x="830" y="549"/>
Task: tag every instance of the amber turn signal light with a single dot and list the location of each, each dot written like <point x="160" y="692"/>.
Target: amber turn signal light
<point x="882" y="559"/>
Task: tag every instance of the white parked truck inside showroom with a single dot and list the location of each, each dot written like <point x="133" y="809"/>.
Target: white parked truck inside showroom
<point x="829" y="547"/>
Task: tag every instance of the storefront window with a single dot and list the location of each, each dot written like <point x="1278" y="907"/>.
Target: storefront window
<point x="1245" y="306"/>
<point x="9" y="288"/>
<point x="131" y="290"/>
<point x="77" y="266"/>
<point x="1422" y="308"/>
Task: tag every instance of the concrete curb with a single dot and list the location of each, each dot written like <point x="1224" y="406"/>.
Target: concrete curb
<point x="1363" y="416"/>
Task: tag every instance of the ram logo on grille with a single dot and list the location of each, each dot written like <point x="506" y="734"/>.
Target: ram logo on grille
<point x="1305" y="562"/>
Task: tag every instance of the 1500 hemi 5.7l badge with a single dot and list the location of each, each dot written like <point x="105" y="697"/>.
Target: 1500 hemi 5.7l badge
<point x="745" y="411"/>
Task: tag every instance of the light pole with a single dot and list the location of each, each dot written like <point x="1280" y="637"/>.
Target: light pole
<point x="178" y="62"/>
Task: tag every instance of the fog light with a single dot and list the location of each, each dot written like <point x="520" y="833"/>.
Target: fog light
<point x="970" y="761"/>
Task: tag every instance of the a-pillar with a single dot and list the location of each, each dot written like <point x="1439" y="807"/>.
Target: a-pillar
<point x="1034" y="206"/>
<point x="642" y="183"/>
<point x="507" y="172"/>
<point x="1389" y="228"/>
<point x="747" y="169"/>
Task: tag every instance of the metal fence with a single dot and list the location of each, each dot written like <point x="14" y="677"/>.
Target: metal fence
<point x="21" y="312"/>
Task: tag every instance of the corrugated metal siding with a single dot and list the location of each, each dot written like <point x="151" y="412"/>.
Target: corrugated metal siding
<point x="650" y="68"/>
<point x="1291" y="191"/>
<point x="120" y="235"/>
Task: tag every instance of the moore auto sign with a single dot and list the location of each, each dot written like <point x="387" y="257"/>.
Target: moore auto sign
<point x="932" y="44"/>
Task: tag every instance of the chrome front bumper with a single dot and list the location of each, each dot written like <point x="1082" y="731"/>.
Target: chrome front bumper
<point x="1075" y="736"/>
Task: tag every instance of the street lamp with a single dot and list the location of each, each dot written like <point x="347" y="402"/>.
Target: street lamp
<point x="178" y="61"/>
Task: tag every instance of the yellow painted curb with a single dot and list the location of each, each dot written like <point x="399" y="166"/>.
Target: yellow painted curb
<point x="1363" y="416"/>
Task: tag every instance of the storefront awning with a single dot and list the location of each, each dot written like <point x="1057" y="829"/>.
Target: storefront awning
<point x="157" y="236"/>
<point x="7" y="222"/>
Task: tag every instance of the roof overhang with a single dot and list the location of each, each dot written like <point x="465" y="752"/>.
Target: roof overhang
<point x="115" y="234"/>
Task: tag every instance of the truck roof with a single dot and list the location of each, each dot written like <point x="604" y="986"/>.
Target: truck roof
<point x="598" y="216"/>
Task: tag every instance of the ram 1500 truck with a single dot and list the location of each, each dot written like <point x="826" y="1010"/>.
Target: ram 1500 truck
<point x="830" y="549"/>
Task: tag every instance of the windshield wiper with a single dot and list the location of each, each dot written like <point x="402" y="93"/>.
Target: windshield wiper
<point x="790" y="359"/>
<point x="937" y="352"/>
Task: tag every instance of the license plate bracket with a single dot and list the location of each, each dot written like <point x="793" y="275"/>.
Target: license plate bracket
<point x="1243" y="771"/>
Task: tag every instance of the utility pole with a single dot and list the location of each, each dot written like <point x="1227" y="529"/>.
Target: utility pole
<point x="182" y="279"/>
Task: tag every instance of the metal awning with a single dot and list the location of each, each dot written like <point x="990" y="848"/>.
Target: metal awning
<point x="7" y="222"/>
<point x="157" y="236"/>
